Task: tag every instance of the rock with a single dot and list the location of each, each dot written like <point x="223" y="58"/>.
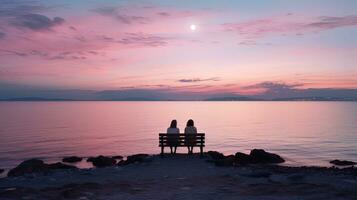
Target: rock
<point x="90" y="159"/>
<point x="136" y="158"/>
<point x="36" y="166"/>
<point x="261" y="156"/>
<point x="71" y="159"/>
<point x="215" y="155"/>
<point x="60" y="165"/>
<point x="342" y="162"/>
<point x="102" y="161"/>
<point x="1" y="171"/>
<point x="118" y="157"/>
<point x="121" y="163"/>
<point x="28" y="166"/>
<point x="226" y="161"/>
<point x="242" y="158"/>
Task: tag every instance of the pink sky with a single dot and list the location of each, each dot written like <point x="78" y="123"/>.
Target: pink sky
<point x="115" y="46"/>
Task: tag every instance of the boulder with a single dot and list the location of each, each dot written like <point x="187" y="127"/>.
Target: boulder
<point x="215" y="155"/>
<point x="226" y="161"/>
<point x="102" y="161"/>
<point x="28" y="166"/>
<point x="118" y="157"/>
<point x="136" y="158"/>
<point x="263" y="157"/>
<point x="342" y="162"/>
<point x="121" y="163"/>
<point x="90" y="159"/>
<point x="242" y="158"/>
<point x="72" y="159"/>
<point x="60" y="165"/>
<point x="36" y="166"/>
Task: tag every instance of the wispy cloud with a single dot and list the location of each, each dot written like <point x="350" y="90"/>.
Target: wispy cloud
<point x="117" y="13"/>
<point x="25" y="14"/>
<point x="260" y="28"/>
<point x="273" y="86"/>
<point x="143" y="39"/>
<point x="36" y="21"/>
<point x="194" y="80"/>
<point x="2" y="35"/>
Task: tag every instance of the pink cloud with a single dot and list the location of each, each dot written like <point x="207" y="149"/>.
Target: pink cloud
<point x="289" y="24"/>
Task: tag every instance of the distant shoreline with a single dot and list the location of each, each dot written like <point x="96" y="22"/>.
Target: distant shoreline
<point x="192" y="100"/>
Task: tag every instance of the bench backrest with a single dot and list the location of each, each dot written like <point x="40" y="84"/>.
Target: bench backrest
<point x="182" y="139"/>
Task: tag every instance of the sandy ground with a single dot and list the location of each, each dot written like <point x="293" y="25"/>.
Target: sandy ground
<point x="183" y="177"/>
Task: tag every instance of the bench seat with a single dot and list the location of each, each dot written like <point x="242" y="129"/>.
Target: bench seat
<point x="182" y="140"/>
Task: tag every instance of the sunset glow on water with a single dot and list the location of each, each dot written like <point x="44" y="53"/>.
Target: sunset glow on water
<point x="310" y="133"/>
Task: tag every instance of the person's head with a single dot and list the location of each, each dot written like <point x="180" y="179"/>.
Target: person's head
<point x="173" y="124"/>
<point x="190" y="123"/>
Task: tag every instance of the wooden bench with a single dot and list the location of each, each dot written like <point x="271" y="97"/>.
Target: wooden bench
<point x="181" y="140"/>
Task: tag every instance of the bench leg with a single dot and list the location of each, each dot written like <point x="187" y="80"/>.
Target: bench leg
<point x="162" y="150"/>
<point x="201" y="150"/>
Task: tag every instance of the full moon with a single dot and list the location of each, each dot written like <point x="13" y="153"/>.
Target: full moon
<point x="193" y="27"/>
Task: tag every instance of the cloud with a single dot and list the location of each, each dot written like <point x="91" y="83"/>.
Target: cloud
<point x="2" y="35"/>
<point x="326" y="22"/>
<point x="36" y="21"/>
<point x="10" y="8"/>
<point x="194" y="80"/>
<point x="11" y="52"/>
<point x="65" y="55"/>
<point x="119" y="15"/>
<point x="143" y="39"/>
<point x="163" y="14"/>
<point x="273" y="86"/>
<point x="25" y="14"/>
<point x="273" y="90"/>
<point x="260" y="28"/>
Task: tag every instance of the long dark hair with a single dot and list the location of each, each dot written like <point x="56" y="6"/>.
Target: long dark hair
<point x="190" y="123"/>
<point x="173" y="124"/>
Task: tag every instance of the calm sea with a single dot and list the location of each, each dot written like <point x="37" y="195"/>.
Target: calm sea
<point x="305" y="133"/>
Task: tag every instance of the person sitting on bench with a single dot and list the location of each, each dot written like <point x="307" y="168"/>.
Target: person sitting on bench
<point x="190" y="139"/>
<point x="173" y="139"/>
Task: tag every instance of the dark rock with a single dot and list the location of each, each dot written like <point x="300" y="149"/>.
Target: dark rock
<point x="261" y="156"/>
<point x="90" y="159"/>
<point x="118" y="157"/>
<point x="36" y="166"/>
<point x="215" y="155"/>
<point x="102" y="161"/>
<point x="226" y="161"/>
<point x="71" y="159"/>
<point x="121" y="163"/>
<point x="137" y="158"/>
<point x="1" y="171"/>
<point x="342" y="162"/>
<point x="242" y="158"/>
<point x="60" y="165"/>
<point x="28" y="166"/>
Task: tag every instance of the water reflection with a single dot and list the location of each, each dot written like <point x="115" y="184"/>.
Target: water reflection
<point x="303" y="132"/>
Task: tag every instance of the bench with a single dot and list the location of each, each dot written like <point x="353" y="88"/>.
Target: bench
<point x="181" y="140"/>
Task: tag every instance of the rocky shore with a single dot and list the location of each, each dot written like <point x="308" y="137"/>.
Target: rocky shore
<point x="241" y="176"/>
